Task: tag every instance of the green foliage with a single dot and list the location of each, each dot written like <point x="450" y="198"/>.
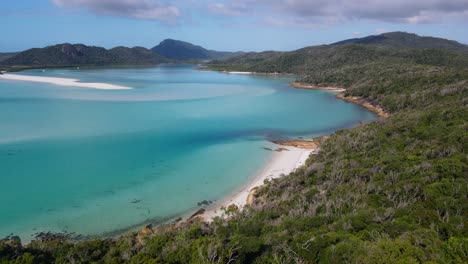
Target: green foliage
<point x="181" y="50"/>
<point x="78" y="54"/>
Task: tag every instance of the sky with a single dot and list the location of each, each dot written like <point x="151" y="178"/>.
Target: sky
<point x="246" y="25"/>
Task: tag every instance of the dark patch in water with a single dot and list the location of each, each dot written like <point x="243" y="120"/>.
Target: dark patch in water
<point x="134" y="201"/>
<point x="204" y="203"/>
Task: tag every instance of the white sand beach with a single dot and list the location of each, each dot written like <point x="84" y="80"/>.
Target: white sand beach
<point x="237" y="72"/>
<point x="282" y="163"/>
<point x="62" y="82"/>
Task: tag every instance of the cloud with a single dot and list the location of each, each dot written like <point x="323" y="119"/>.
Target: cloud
<point x="233" y="8"/>
<point x="281" y="13"/>
<point x="380" y="30"/>
<point x="139" y="9"/>
<point x="313" y="12"/>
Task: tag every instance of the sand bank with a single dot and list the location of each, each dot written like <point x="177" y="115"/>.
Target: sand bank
<point x="62" y="82"/>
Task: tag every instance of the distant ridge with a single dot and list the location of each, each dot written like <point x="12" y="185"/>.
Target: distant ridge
<point x="406" y="40"/>
<point x="384" y="49"/>
<point x="6" y="55"/>
<point x="78" y="54"/>
<point x="408" y="46"/>
<point x="181" y="50"/>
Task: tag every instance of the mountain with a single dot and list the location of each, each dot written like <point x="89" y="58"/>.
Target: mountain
<point x="6" y="55"/>
<point x="181" y="50"/>
<point x="387" y="48"/>
<point x="78" y="54"/>
<point x="406" y="40"/>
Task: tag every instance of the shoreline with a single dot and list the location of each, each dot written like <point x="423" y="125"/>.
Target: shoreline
<point x="258" y="73"/>
<point x="62" y="82"/>
<point x="283" y="162"/>
<point x="246" y="72"/>
<point x="285" y="159"/>
<point x="291" y="156"/>
<point x="376" y="109"/>
<point x="316" y="87"/>
<point x="366" y="103"/>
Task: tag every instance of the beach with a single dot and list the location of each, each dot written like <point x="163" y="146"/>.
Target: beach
<point x="237" y="72"/>
<point x="316" y="87"/>
<point x="62" y="82"/>
<point x="284" y="161"/>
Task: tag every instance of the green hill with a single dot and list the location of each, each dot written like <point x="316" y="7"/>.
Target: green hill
<point x="397" y="49"/>
<point x="6" y="55"/>
<point x="79" y="54"/>
<point x="406" y="40"/>
<point x="181" y="50"/>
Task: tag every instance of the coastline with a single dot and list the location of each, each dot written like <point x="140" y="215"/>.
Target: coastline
<point x="376" y="109"/>
<point x="284" y="161"/>
<point x="366" y="103"/>
<point x="258" y="73"/>
<point x="291" y="155"/>
<point x="316" y="87"/>
<point x="62" y="82"/>
<point x="246" y="72"/>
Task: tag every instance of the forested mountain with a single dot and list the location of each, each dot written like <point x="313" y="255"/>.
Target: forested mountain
<point x="406" y="40"/>
<point x="350" y="53"/>
<point x="6" y="55"/>
<point x="181" y="50"/>
<point x="391" y="191"/>
<point x="79" y="54"/>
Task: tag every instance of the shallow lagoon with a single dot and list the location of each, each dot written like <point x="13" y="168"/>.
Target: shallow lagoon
<point x="96" y="161"/>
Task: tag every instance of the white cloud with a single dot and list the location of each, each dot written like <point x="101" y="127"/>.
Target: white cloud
<point x="139" y="9"/>
<point x="332" y="11"/>
<point x="282" y="13"/>
<point x="234" y="8"/>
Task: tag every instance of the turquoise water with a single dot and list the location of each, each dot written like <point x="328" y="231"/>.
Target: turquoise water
<point x="96" y="161"/>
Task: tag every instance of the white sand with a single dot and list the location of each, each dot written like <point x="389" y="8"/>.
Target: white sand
<point x="62" y="82"/>
<point x="237" y="72"/>
<point x="282" y="163"/>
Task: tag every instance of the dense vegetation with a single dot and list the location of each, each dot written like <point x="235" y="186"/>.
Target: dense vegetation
<point x="78" y="54"/>
<point x="406" y="40"/>
<point x="330" y="60"/>
<point x="81" y="55"/>
<point x="181" y="50"/>
<point x="391" y="191"/>
<point x="6" y="55"/>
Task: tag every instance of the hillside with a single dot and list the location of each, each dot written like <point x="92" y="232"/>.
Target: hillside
<point x="406" y="40"/>
<point x="6" y="55"/>
<point x="79" y="54"/>
<point x="351" y="52"/>
<point x="391" y="191"/>
<point x="180" y="50"/>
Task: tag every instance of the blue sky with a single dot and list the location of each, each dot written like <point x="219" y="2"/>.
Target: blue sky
<point x="248" y="25"/>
